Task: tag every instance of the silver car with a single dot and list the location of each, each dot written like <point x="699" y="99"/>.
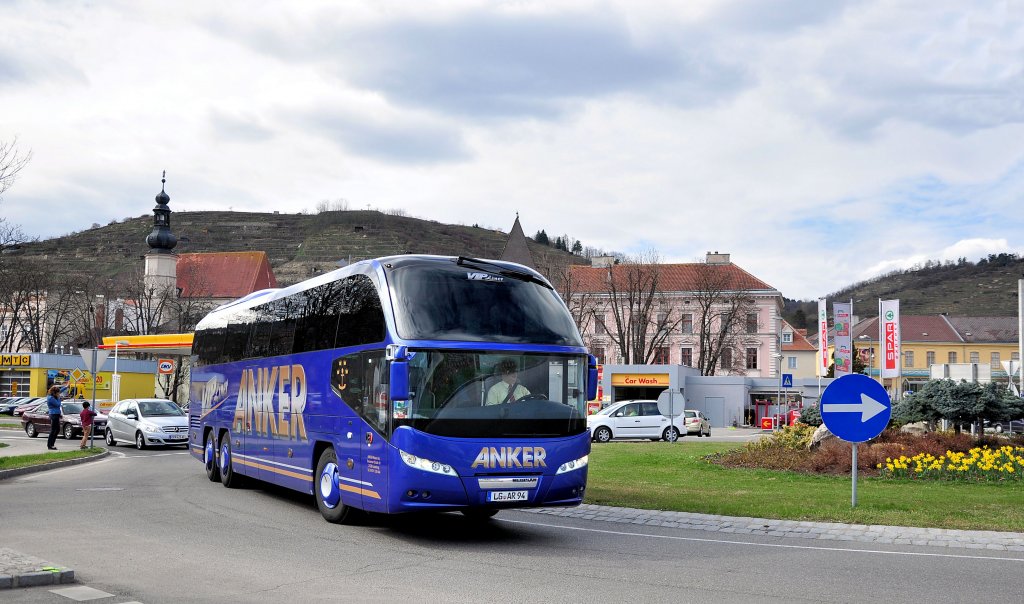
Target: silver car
<point x="147" y="422"/>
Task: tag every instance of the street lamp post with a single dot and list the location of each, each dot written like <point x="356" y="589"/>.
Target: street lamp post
<point x="115" y="380"/>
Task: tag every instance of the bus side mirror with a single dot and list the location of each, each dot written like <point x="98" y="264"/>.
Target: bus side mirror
<point x="591" y="377"/>
<point x="399" y="380"/>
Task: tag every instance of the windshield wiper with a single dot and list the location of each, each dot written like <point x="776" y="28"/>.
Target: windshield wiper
<point x="502" y="270"/>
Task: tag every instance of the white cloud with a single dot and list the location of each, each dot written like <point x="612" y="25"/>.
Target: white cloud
<point x="827" y="138"/>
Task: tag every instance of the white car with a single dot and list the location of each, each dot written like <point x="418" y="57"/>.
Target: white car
<point x="147" y="422"/>
<point x="633" y="419"/>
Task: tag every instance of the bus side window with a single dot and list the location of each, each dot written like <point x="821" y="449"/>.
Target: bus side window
<point x="359" y="380"/>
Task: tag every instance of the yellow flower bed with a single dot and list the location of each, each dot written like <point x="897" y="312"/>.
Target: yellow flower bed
<point x="980" y="463"/>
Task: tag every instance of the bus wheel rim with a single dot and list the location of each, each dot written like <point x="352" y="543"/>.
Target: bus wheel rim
<point x="208" y="454"/>
<point x="329" y="492"/>
<point x="225" y="463"/>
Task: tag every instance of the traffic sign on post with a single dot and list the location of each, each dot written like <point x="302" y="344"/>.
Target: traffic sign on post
<point x="94" y="358"/>
<point x="787" y="380"/>
<point x="855" y="408"/>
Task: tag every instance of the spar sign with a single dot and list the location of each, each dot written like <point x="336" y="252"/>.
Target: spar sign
<point x="889" y="326"/>
<point x="165" y="366"/>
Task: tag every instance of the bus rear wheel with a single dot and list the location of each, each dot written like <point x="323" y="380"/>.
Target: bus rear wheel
<point x="327" y="490"/>
<point x="209" y="458"/>
<point x="228" y="477"/>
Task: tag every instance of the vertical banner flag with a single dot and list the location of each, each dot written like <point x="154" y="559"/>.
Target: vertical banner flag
<point x="822" y="338"/>
<point x="842" y="318"/>
<point x="889" y="320"/>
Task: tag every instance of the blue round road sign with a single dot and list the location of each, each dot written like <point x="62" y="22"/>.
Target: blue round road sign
<point x="855" y="408"/>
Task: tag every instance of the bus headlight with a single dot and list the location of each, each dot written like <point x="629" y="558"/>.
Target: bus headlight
<point x="426" y="465"/>
<point x="575" y="464"/>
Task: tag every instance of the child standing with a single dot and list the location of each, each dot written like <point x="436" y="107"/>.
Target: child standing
<point x="87" y="416"/>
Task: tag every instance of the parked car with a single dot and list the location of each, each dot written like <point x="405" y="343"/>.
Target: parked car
<point x="696" y="422"/>
<point x="633" y="419"/>
<point x="1015" y="426"/>
<point x="8" y="403"/>
<point x="26" y="403"/>
<point x="36" y="420"/>
<point x="147" y="422"/>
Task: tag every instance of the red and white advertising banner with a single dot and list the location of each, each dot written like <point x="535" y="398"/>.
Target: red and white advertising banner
<point x="889" y="328"/>
<point x="823" y="359"/>
<point x="842" y="317"/>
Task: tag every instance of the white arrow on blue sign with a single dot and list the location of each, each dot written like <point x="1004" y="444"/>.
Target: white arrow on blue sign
<point x="855" y="408"/>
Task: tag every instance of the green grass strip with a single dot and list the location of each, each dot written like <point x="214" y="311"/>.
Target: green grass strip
<point x="35" y="459"/>
<point x="674" y="476"/>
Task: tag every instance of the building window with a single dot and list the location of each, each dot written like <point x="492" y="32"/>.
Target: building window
<point x="751" y="358"/>
<point x="1014" y="356"/>
<point x="908" y="358"/>
<point x="930" y="356"/>
<point x="995" y="361"/>
<point x="727" y="358"/>
<point x="791" y="362"/>
<point x="787" y="337"/>
<point x="687" y="324"/>
<point x="599" y="326"/>
<point x="686" y="358"/>
<point x="660" y="355"/>
<point x="952" y="357"/>
<point x="751" y="322"/>
<point x="975" y="357"/>
<point x="599" y="354"/>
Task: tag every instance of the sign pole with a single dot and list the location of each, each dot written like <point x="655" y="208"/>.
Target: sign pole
<point x="854" y="473"/>
<point x="92" y="433"/>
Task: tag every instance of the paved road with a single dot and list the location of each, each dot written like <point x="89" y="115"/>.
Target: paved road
<point x="156" y="530"/>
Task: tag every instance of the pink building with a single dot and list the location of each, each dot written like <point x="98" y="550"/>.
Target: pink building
<point x="681" y="321"/>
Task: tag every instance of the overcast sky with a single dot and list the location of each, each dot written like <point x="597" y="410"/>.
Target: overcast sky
<point x="819" y="142"/>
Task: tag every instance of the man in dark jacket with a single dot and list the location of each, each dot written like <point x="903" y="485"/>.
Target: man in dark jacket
<point x="53" y="407"/>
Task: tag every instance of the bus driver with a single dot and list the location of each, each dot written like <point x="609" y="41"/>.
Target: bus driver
<point x="508" y="389"/>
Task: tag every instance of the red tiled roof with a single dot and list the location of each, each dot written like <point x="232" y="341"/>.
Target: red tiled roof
<point x="800" y="341"/>
<point x="224" y="274"/>
<point x="672" y="277"/>
<point x="913" y="328"/>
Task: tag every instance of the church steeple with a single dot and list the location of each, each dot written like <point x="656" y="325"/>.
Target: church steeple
<point x="162" y="240"/>
<point x="516" y="249"/>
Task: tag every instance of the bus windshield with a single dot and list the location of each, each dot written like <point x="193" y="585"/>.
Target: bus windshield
<point x="474" y="303"/>
<point x="494" y="395"/>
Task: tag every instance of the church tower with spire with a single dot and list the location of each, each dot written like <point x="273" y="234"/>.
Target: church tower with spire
<point x="516" y="249"/>
<point x="161" y="261"/>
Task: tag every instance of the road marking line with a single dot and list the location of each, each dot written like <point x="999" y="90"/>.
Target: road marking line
<point x="755" y="544"/>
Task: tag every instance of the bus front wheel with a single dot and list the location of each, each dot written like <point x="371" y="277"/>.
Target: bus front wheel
<point x="328" y="492"/>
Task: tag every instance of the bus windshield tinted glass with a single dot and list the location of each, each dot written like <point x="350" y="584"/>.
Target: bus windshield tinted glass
<point x="495" y="395"/>
<point x="470" y="304"/>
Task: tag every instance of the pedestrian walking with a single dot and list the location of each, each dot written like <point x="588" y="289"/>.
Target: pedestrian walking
<point x="87" y="415"/>
<point x="53" y="407"/>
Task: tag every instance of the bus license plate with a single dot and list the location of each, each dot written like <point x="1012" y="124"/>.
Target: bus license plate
<point x="508" y="496"/>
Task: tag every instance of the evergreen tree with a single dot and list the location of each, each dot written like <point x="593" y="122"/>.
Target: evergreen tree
<point x="542" y="237"/>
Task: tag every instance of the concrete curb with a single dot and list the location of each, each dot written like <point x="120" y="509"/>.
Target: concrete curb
<point x="19" y="570"/>
<point x="53" y="465"/>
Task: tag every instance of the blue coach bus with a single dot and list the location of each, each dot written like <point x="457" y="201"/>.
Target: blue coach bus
<point x="399" y="384"/>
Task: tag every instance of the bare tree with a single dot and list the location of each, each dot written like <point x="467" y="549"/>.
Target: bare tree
<point x="11" y="164"/>
<point x="558" y="270"/>
<point x="722" y="305"/>
<point x="642" y="318"/>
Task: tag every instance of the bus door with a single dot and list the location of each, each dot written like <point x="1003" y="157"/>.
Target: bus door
<point x="357" y="380"/>
<point x="375" y="433"/>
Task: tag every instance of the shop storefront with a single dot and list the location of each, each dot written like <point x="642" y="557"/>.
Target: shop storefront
<point x="32" y="374"/>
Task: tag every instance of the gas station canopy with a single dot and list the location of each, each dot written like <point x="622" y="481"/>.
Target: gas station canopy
<point x="164" y="343"/>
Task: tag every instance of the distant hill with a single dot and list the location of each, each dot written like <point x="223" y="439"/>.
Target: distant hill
<point x="987" y="288"/>
<point x="298" y="245"/>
